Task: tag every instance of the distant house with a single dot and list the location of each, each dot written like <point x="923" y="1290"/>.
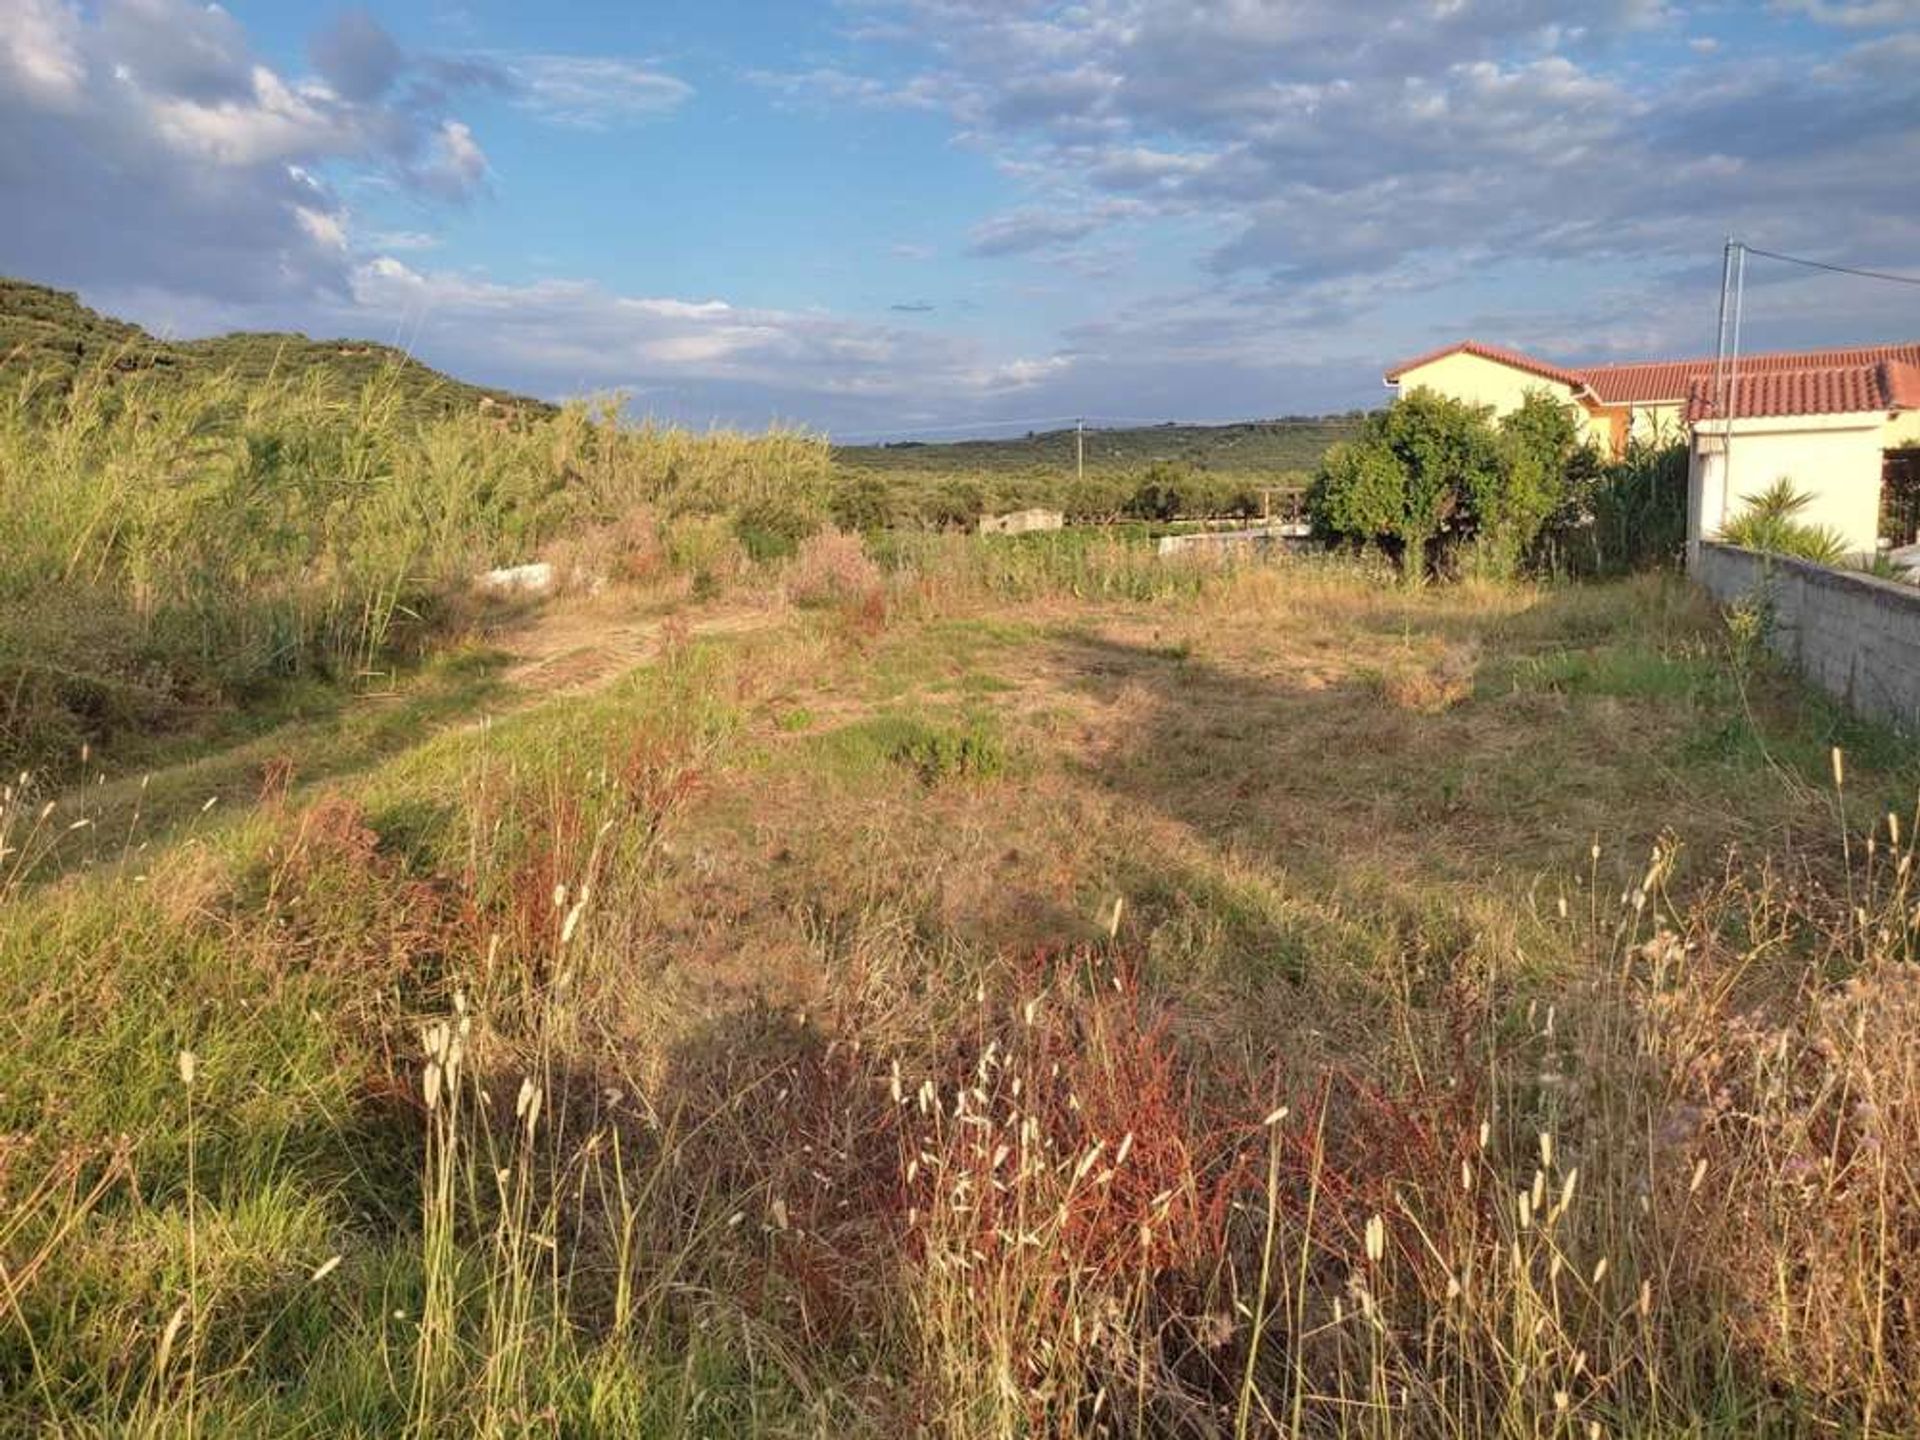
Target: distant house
<point x="1822" y="418"/>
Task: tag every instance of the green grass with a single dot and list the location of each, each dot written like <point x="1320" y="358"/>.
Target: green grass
<point x="177" y="550"/>
<point x="713" y="913"/>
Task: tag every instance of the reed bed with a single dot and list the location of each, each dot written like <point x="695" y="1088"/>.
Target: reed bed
<point x="176" y="547"/>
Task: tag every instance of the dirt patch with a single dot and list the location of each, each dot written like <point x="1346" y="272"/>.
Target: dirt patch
<point x="571" y="648"/>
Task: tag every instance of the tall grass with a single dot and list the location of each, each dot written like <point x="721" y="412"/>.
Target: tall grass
<point x="980" y="1194"/>
<point x="173" y="546"/>
<point x="545" y="1082"/>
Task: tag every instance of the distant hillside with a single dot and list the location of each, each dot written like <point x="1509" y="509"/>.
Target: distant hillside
<point x="49" y="334"/>
<point x="1292" y="443"/>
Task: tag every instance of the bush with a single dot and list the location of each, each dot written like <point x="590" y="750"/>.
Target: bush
<point x="831" y="567"/>
<point x="1407" y="477"/>
<point x="1430" y="466"/>
<point x="1624" y="515"/>
<point x="1161" y="494"/>
<point x="861" y="502"/>
<point x="1768" y="524"/>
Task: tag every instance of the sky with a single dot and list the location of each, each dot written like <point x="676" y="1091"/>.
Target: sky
<point x="883" y="218"/>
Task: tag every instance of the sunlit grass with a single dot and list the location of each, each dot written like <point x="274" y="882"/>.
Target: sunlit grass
<point x="1042" y="999"/>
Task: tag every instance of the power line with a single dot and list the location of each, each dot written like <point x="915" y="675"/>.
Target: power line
<point x="1836" y="269"/>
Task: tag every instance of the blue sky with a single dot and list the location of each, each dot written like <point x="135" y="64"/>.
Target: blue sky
<point x="884" y="216"/>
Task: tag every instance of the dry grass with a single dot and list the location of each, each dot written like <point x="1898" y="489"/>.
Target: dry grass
<point x="1204" y="1004"/>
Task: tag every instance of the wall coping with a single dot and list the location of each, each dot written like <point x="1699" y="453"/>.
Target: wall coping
<point x="1894" y="590"/>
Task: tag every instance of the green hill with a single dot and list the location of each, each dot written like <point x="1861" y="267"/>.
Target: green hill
<point x="49" y="335"/>
<point x="1292" y="443"/>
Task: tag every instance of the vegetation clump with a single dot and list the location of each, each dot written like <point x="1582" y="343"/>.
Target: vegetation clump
<point x="725" y="1050"/>
<point x="1440" y="484"/>
<point x="1769" y="522"/>
<point x="206" y="538"/>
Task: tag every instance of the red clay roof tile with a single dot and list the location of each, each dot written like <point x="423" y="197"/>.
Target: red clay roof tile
<point x="1515" y="358"/>
<point x="1837" y="381"/>
<point x="1845" y="389"/>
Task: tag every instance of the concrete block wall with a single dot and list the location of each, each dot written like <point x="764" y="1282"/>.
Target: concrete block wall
<point x="1854" y="635"/>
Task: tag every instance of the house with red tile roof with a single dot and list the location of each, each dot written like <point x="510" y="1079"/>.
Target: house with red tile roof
<point x="1823" y="419"/>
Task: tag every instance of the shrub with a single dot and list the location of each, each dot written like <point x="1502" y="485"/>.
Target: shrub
<point x="1768" y="524"/>
<point x="1430" y="466"/>
<point x="1408" y="475"/>
<point x="1544" y="451"/>
<point x="1624" y="515"/>
<point x="861" y="502"/>
<point x="705" y="548"/>
<point x="831" y="567"/>
<point x="1161" y="494"/>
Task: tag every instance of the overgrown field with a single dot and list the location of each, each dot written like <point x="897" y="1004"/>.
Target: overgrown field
<point x="1011" y="989"/>
<point x="178" y="549"/>
<point x="186" y="546"/>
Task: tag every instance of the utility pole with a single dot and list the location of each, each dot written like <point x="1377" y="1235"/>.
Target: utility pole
<point x="1080" y="449"/>
<point x="1726" y="384"/>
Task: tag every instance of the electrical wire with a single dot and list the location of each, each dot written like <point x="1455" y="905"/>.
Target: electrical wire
<point x="1835" y="269"/>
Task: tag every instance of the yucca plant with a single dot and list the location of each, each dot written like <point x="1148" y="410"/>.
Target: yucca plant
<point x="1769" y="524"/>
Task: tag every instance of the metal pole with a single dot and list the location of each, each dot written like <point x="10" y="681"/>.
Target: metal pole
<point x="1080" y="450"/>
<point x="1722" y="403"/>
<point x="1733" y="365"/>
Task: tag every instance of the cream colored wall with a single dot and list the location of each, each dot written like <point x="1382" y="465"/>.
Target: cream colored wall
<point x="1902" y="429"/>
<point x="1479" y="381"/>
<point x="1833" y="459"/>
<point x="1658" y="422"/>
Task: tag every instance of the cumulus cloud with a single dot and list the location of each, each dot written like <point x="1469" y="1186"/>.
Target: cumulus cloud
<point x="1325" y="152"/>
<point x="150" y="148"/>
<point x="147" y="145"/>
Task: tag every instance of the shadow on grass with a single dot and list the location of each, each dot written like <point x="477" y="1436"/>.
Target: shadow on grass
<point x="1395" y="789"/>
<point x="343" y="735"/>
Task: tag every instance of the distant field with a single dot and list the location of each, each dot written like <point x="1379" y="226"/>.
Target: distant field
<point x="1293" y="443"/>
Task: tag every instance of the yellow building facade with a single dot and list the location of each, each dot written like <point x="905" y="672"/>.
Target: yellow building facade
<point x="1822" y="419"/>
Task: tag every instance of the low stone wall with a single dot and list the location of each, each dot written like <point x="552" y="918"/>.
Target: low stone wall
<point x="1856" y="636"/>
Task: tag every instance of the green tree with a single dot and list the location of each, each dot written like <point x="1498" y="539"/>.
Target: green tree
<point x="1412" y="473"/>
<point x="1544" y="455"/>
<point x="1162" y="493"/>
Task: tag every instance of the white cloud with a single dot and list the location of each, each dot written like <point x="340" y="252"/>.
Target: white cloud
<point x="458" y="165"/>
<point x="325" y="229"/>
<point x="1323" y="139"/>
<point x="595" y="92"/>
<point x="1021" y="231"/>
<point x="153" y="119"/>
<point x="40" y="51"/>
<point x="704" y="356"/>
<point x="1855" y="14"/>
